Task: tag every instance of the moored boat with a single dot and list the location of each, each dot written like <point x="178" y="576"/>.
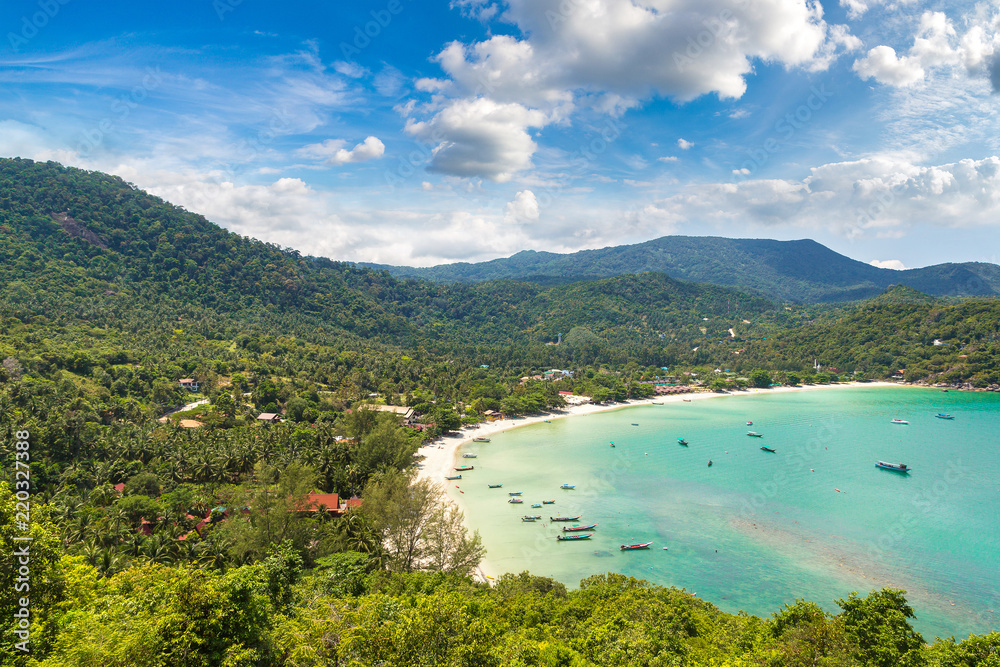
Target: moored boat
<point x="480" y="439"/>
<point x="581" y="536"/>
<point x="469" y="456"/>
<point x="495" y="486"/>
<point x="565" y="518"/>
<point x="753" y="434"/>
<point x="575" y="528"/>
<point x="453" y="477"/>
<point x="942" y="415"/>
<point x="768" y="449"/>
<point x="515" y="501"/>
<point x="895" y="467"/>
<point x="898" y="421"/>
<point x="749" y="422"/>
<point x="710" y="464"/>
<point x="513" y="493"/>
<point x="633" y="547"/>
<point x="463" y="468"/>
<point x="536" y="504"/>
<point x="548" y="502"/>
<point x="528" y="518"/>
<point x="533" y="517"/>
<point x="568" y="486"/>
<point x="682" y="441"/>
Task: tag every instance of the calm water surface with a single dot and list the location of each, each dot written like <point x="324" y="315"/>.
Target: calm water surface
<point x="757" y="530"/>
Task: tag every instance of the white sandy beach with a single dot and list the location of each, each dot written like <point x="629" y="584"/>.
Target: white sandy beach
<point x="439" y="458"/>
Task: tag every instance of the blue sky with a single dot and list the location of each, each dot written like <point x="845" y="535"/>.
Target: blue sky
<point x="421" y="133"/>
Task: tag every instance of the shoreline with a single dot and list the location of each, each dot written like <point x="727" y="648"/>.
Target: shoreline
<point x="438" y="459"/>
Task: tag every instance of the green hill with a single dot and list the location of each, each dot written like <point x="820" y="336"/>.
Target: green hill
<point x="797" y="271"/>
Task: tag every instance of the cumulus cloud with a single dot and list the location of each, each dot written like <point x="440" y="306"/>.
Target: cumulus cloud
<point x="523" y="208"/>
<point x="936" y="46"/>
<point x="684" y="144"/>
<point x="332" y="151"/>
<point x="893" y="264"/>
<point x="608" y="55"/>
<point x="480" y="137"/>
<point x="883" y="65"/>
<point x="873" y="196"/>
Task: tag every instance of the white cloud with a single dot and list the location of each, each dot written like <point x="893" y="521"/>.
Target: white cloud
<point x="884" y="66"/>
<point x="936" y="46"/>
<point x="667" y="158"/>
<point x="332" y="151"/>
<point x="480" y="137"/>
<point x="607" y="55"/>
<point x="857" y="8"/>
<point x="881" y="195"/>
<point x="684" y="144"/>
<point x="893" y="264"/>
<point x="350" y="69"/>
<point x="523" y="208"/>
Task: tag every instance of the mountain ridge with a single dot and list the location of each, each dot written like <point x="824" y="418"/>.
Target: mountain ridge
<point x="798" y="271"/>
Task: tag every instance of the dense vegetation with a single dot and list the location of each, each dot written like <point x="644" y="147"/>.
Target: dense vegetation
<point x="158" y="544"/>
<point x="796" y="271"/>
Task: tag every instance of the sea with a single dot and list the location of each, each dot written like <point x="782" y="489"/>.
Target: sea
<point x="755" y="530"/>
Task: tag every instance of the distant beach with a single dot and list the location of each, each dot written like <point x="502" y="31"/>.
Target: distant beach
<point x="438" y="459"/>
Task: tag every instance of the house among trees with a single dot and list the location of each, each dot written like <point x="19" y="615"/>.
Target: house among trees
<point x="269" y="417"/>
<point x="188" y="383"/>
<point x="329" y="503"/>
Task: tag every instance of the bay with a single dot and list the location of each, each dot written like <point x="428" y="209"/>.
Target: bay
<point x="815" y="519"/>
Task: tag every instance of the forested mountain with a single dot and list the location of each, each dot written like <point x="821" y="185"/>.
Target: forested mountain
<point x="796" y="271"/>
<point x="67" y="234"/>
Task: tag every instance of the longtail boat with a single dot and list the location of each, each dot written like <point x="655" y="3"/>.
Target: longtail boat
<point x="575" y="528"/>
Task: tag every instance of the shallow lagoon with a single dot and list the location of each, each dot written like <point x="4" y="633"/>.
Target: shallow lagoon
<point x="756" y="529"/>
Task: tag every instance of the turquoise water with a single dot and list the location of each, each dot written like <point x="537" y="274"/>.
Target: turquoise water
<point x="757" y="530"/>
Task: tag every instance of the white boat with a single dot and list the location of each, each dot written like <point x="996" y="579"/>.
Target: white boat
<point x="469" y="456"/>
<point x="899" y="421"/>
<point x="480" y="439"/>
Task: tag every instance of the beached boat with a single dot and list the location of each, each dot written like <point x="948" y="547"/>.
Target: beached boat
<point x="682" y="441"/>
<point x="469" y="456"/>
<point x="898" y="421"/>
<point x="942" y="415"/>
<point x="495" y="486"/>
<point x="548" y="502"/>
<point x="513" y="493"/>
<point x="464" y="468"/>
<point x="633" y="547"/>
<point x="574" y="528"/>
<point x="453" y="477"/>
<point x="686" y="400"/>
<point x="895" y="467"/>
<point x="568" y="486"/>
<point x="480" y="439"/>
<point x="546" y="421"/>
<point x="566" y="538"/>
<point x="768" y="449"/>
<point x="565" y="518"/>
<point x="515" y="501"/>
<point x="753" y="434"/>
